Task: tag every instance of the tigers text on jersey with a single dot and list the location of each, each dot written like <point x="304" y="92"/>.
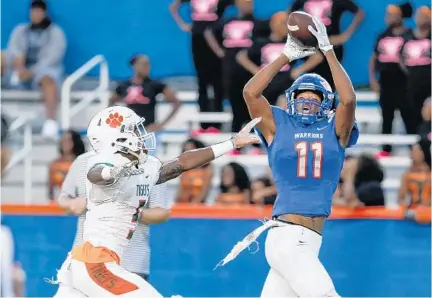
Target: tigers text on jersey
<point x="113" y="210"/>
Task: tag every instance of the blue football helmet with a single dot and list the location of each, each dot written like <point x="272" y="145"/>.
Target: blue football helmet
<point x="317" y="84"/>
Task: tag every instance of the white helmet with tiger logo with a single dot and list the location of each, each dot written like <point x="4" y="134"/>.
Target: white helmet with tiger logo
<point x="120" y="129"/>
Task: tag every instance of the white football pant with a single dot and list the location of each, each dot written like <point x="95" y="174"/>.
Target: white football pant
<point x="78" y="279"/>
<point x="295" y="270"/>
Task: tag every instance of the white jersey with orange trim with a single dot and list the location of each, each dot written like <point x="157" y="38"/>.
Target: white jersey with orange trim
<point x="113" y="210"/>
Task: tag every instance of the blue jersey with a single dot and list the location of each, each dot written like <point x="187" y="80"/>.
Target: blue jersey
<point x="306" y="161"/>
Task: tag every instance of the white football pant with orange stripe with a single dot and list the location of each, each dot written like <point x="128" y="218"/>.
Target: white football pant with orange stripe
<point x="78" y="279"/>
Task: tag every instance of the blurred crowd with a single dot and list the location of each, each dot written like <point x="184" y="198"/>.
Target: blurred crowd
<point x="227" y="52"/>
<point x="360" y="183"/>
<point x="400" y="70"/>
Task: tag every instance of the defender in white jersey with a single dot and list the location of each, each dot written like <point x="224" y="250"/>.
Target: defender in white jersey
<point x="120" y="180"/>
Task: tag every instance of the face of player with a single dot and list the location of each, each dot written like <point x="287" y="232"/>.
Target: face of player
<point x="422" y="19"/>
<point x="245" y="7"/>
<point x="310" y="107"/>
<point x="393" y="19"/>
<point x="417" y="154"/>
<point x="37" y="14"/>
<point x="67" y="143"/>
<point x="278" y="24"/>
<point x="142" y="67"/>
<point x="227" y="176"/>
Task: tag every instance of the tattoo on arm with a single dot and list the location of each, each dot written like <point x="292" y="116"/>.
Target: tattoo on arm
<point x="170" y="170"/>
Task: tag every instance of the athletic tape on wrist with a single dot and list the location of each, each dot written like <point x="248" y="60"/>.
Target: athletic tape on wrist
<point x="106" y="173"/>
<point x="222" y="148"/>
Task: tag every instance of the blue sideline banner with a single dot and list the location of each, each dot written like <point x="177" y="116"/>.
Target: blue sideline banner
<point x="364" y="257"/>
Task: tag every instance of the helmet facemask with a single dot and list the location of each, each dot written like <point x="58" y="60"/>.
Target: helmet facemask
<point x="134" y="139"/>
<point x="308" y="110"/>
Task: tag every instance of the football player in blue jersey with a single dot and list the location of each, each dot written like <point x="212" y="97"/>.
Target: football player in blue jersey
<point x="306" y="146"/>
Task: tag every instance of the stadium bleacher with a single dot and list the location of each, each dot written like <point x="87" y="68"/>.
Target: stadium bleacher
<point x="27" y="103"/>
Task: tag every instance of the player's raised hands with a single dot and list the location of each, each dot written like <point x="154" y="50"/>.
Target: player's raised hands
<point x="320" y="34"/>
<point x="244" y="138"/>
<point x="295" y="51"/>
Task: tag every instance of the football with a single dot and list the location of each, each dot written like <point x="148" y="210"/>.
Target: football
<point x="298" y="22"/>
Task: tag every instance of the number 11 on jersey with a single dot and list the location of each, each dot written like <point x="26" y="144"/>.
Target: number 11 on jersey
<point x="302" y="149"/>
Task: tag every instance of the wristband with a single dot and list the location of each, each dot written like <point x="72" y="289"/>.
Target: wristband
<point x="327" y="48"/>
<point x="222" y="148"/>
<point x="106" y="173"/>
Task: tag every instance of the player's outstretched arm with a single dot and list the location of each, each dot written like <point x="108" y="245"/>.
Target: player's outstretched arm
<point x="195" y="158"/>
<point x="345" y="112"/>
<point x="107" y="174"/>
<point x="257" y="104"/>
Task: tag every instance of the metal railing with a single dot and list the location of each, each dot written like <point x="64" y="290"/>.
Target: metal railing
<point x="100" y="92"/>
<point x="24" y="153"/>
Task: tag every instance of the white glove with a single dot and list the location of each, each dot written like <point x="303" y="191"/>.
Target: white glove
<point x="295" y="51"/>
<point x="320" y="34"/>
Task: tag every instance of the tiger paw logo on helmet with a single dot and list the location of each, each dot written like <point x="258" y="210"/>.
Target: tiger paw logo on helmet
<point x="114" y="120"/>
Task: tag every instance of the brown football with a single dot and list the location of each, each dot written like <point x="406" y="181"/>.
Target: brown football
<point x="298" y="22"/>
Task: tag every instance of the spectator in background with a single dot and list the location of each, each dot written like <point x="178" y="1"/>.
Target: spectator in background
<point x="70" y="147"/>
<point x="34" y="58"/>
<point x="338" y="199"/>
<point x="237" y="33"/>
<point x="235" y="185"/>
<point x="264" y="51"/>
<point x="425" y="127"/>
<point x="195" y="184"/>
<point x="416" y="181"/>
<point x="416" y="58"/>
<point x="330" y="12"/>
<point x="5" y="151"/>
<point x="263" y="191"/>
<point x="361" y="182"/>
<point x="391" y="85"/>
<point x="208" y="65"/>
<point x="139" y="93"/>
